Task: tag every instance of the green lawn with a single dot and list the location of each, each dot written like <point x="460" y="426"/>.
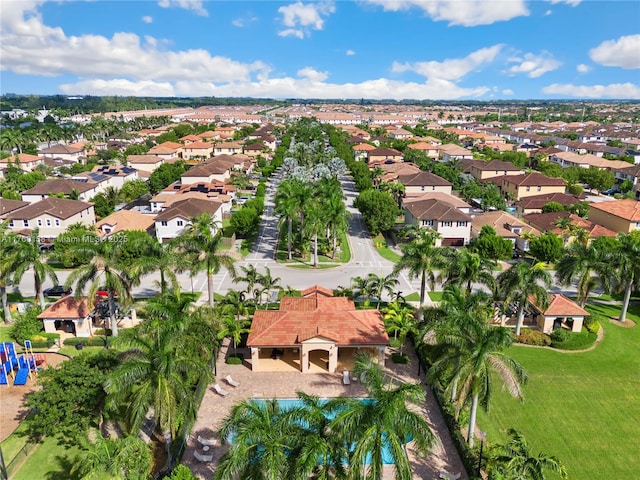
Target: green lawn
<point x="583" y="408"/>
<point x="49" y="460"/>
<point x="435" y="296"/>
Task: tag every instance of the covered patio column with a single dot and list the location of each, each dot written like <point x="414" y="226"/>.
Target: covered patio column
<point x="255" y="359"/>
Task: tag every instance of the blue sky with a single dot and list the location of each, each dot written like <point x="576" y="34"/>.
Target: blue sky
<point x="419" y="49"/>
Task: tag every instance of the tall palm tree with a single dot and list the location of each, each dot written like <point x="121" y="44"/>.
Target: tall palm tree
<point x="400" y="321"/>
<point x="315" y="220"/>
<point x="8" y="244"/>
<point x="467" y="267"/>
<point x="251" y="277"/>
<point x="28" y="255"/>
<point x="363" y="287"/>
<point x="625" y="259"/>
<point x="514" y="460"/>
<point x="477" y="351"/>
<point x="263" y="437"/>
<point x="268" y="283"/>
<point x="385" y="422"/>
<point x="381" y="284"/>
<point x="338" y="218"/>
<point x="234" y="327"/>
<point x="422" y="258"/>
<point x="287" y="207"/>
<point x="202" y="242"/>
<point x="581" y="262"/>
<point x="522" y="281"/>
<point x="107" y="268"/>
<point x="154" y="374"/>
<point x="163" y="258"/>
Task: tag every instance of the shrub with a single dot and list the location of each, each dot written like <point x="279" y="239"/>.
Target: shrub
<point x="100" y="332"/>
<point x="27" y="325"/>
<point x="575" y="340"/>
<point x="530" y="336"/>
<point x="232" y="360"/>
<point x="397" y="358"/>
<point x="593" y="327"/>
<point x="560" y="335"/>
<point x="394" y="342"/>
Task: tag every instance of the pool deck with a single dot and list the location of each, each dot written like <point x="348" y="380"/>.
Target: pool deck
<point x="284" y="384"/>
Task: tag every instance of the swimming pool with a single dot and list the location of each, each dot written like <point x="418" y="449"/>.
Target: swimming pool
<point x="289" y="403"/>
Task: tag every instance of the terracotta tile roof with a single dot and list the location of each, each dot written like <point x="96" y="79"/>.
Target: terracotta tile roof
<point x="424" y="179"/>
<point x="188" y="208"/>
<point x="67" y="308"/>
<point x="384" y="152"/>
<point x="152" y="159"/>
<point x="533" y="179"/>
<point x="126" y="220"/>
<point x="560" y="306"/>
<point x="627" y="209"/>
<point x="422" y="146"/>
<point x="317" y="314"/>
<point x="538" y="201"/>
<point x="59" y="185"/>
<point x="61" y="208"/>
<point x="363" y="147"/>
<point x="7" y="206"/>
<point x="61" y="150"/>
<point x="432" y="209"/>
<point x="496" y="165"/>
<point x="503" y="223"/>
<point x="444" y="197"/>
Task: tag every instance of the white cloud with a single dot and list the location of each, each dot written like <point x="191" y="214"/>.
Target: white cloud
<point x="241" y="22"/>
<point x="147" y="19"/>
<point x="623" y="52"/>
<point x="547" y="13"/>
<point x="193" y="5"/>
<point x="582" y="68"/>
<point x="312" y="74"/>
<point x="534" y="65"/>
<point x="507" y="91"/>
<point x="450" y="69"/>
<point x="573" y="3"/>
<point x="614" y="90"/>
<point x="119" y="86"/>
<point x="301" y="19"/>
<point x="350" y="53"/>
<point x="467" y="13"/>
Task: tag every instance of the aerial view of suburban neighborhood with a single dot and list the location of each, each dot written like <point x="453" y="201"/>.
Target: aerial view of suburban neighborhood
<point x="218" y="264"/>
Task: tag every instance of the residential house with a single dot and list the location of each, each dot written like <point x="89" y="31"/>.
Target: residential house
<point x="621" y="216"/>
<point x="551" y="221"/>
<point x="144" y="163"/>
<point x="400" y="134"/>
<point x="125" y="220"/>
<point x="227" y="148"/>
<point x="167" y="150"/>
<point x="457" y="202"/>
<point x="197" y="150"/>
<point x="177" y="191"/>
<point x="632" y="174"/>
<point x="254" y="149"/>
<point x="506" y="226"/>
<point x="69" y="315"/>
<point x="215" y="168"/>
<point x="392" y="170"/>
<point x="108" y="176"/>
<point x="23" y="160"/>
<point x="429" y="149"/>
<point x="535" y="203"/>
<point x="384" y="154"/>
<point x="7" y="207"/>
<point x="530" y="184"/>
<point x="495" y="168"/>
<point x="451" y="151"/>
<point x="361" y="150"/>
<point x="174" y="220"/>
<point x="570" y="159"/>
<point x="315" y="333"/>
<point x="418" y="183"/>
<point x="51" y="216"/>
<point x="453" y="226"/>
<point x="65" y="152"/>
<point x="83" y="189"/>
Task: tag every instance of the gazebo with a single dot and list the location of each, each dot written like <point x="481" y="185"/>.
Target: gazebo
<point x="315" y="333"/>
<point x="68" y="314"/>
<point x="561" y="313"/>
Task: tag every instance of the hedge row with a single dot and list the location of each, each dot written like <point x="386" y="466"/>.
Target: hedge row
<point x="88" y="341"/>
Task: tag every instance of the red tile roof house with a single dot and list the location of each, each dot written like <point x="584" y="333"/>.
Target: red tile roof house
<point x="315" y="333"/>
<point x="561" y="313"/>
<point x="67" y="314"/>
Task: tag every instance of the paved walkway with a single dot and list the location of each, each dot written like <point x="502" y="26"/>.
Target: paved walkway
<point x="444" y="456"/>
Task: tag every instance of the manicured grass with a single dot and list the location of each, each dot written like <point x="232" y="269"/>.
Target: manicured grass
<point x="5" y="333"/>
<point x="435" y="296"/>
<point x="49" y="460"/>
<point x="385" y="252"/>
<point x="413" y="297"/>
<point x="582" y="407"/>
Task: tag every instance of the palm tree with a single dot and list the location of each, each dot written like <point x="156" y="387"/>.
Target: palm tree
<point x="381" y="284"/>
<point x="154" y="374"/>
<point x="8" y="243"/>
<point x="466" y="266"/>
<point x="251" y="277"/>
<point x="164" y="258"/>
<point x="337" y="216"/>
<point x="475" y="348"/>
<point x="400" y="321"/>
<point x="362" y="287"/>
<point x="384" y="422"/>
<point x="234" y="328"/>
<point x="127" y="458"/>
<point x="105" y="267"/>
<point x="234" y="303"/>
<point x="287" y="207"/>
<point x="316" y="219"/>
<point x="581" y="261"/>
<point x="625" y="259"/>
<point x="28" y="255"/>
<point x="522" y="281"/>
<point x="421" y="257"/>
<point x="268" y="283"/>
<point x="514" y="460"/>
<point x="263" y="437"/>
<point x="202" y="242"/>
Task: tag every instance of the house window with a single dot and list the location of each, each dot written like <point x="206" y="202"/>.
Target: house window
<point x="427" y="223"/>
<point x="39" y="222"/>
<point x="180" y="223"/>
<point x="164" y="223"/>
<point x="25" y="223"/>
<point x="57" y="222"/>
<point x="11" y="223"/>
<point x="446" y="224"/>
<point x="48" y="222"/>
<point x="528" y="189"/>
<point x="422" y="188"/>
<point x="539" y="189"/>
<point x="462" y="224"/>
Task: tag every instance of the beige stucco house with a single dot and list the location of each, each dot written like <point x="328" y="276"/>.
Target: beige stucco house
<point x="621" y="216"/>
<point x="52" y="216"/>
<point x="530" y="184"/>
<point x="69" y="315"/>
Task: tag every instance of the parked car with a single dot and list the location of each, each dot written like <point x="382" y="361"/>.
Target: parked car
<point x="610" y="191"/>
<point x="103" y="292"/>
<point x="57" y="291"/>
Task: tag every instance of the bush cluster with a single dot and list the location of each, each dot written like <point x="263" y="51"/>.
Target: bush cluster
<point x="88" y="341"/>
<point x="529" y="336"/>
<point x="397" y="358"/>
<point x="235" y="359"/>
<point x="573" y="340"/>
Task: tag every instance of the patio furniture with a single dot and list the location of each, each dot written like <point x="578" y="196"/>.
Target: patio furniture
<point x="207" y="442"/>
<point x="220" y="391"/>
<point x="202" y="457"/>
<point x="345" y="377"/>
<point x="231" y="381"/>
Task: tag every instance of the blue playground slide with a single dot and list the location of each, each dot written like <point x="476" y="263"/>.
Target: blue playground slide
<point x="21" y="376"/>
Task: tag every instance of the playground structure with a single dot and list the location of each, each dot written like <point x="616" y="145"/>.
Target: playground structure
<point x="20" y="368"/>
